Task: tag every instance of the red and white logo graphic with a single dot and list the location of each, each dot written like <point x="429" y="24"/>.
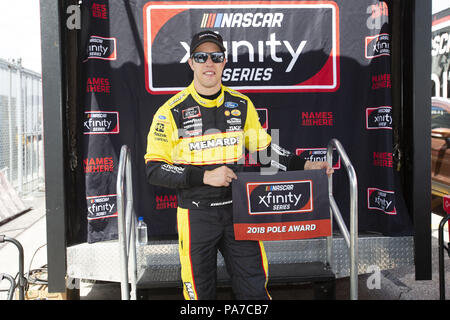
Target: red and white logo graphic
<point x="191" y="112"/>
<point x="276" y="53"/>
<point x="379" y="118"/>
<point x="101" y="48"/>
<point x="377" y="46"/>
<point x="101" y="207"/>
<point x="446" y="203"/>
<point x="101" y="122"/>
<point x="382" y="200"/>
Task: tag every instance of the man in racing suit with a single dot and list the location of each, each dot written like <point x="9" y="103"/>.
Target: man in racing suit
<point x="196" y="143"/>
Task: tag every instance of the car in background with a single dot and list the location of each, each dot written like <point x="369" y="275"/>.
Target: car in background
<point x="440" y="150"/>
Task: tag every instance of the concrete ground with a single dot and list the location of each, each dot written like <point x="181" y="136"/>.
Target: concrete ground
<point x="395" y="284"/>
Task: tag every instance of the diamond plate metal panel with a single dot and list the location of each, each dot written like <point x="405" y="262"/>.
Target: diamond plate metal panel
<point x="96" y="261"/>
<point x="100" y="261"/>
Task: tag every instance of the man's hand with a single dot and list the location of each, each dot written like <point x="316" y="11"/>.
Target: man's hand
<point x="318" y="165"/>
<point x="219" y="177"/>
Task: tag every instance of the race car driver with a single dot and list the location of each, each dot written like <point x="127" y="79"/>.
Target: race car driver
<point x="196" y="144"/>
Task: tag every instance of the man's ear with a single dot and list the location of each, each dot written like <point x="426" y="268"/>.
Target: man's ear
<point x="190" y="64"/>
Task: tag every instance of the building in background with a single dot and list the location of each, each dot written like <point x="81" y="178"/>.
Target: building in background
<point x="21" y="145"/>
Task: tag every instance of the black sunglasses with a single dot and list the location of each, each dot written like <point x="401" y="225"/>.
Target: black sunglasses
<point x="201" y="57"/>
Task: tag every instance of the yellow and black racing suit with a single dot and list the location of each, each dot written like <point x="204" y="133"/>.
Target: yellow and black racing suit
<point x="190" y="134"/>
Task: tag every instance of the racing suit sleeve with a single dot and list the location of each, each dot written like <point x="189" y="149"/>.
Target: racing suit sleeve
<point x="159" y="166"/>
<point x="269" y="154"/>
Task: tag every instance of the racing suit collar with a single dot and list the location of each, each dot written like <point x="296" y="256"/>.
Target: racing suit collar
<point x="206" y="102"/>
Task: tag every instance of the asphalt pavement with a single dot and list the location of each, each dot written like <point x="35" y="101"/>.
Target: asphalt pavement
<point x="394" y="284"/>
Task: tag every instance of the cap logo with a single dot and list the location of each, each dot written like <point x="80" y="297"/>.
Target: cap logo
<point x="208" y="35"/>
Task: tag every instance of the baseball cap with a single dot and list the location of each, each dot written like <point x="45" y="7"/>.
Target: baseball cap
<point x="206" y="36"/>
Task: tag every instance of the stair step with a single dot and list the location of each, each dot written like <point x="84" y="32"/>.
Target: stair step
<point x="300" y="273"/>
<point x="162" y="276"/>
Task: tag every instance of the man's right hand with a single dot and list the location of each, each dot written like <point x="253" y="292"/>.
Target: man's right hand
<point x="219" y="177"/>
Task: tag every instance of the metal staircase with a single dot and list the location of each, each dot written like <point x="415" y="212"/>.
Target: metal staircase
<point x="315" y="271"/>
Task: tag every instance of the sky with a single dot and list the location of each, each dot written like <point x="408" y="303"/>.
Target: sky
<point x="439" y="5"/>
<point x="20" y="30"/>
<point x="20" y="33"/>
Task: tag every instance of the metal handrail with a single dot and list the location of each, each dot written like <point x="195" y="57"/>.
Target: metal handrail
<point x="442" y="247"/>
<point x="126" y="221"/>
<point x="12" y="286"/>
<point x="351" y="237"/>
<point x="22" y="280"/>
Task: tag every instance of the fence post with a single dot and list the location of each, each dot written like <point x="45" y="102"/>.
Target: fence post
<point x="19" y="132"/>
<point x="10" y="133"/>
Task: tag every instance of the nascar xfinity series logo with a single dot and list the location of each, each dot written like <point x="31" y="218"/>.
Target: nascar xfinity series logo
<point x="100" y="207"/>
<point x="101" y="122"/>
<point x="382" y="200"/>
<point x="279" y="197"/>
<point x="379" y="118"/>
<point x="269" y="46"/>
<point x="377" y="46"/>
<point x="101" y="48"/>
<point x="319" y="154"/>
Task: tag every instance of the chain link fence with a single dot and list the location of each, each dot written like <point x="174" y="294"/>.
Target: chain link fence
<point x="21" y="138"/>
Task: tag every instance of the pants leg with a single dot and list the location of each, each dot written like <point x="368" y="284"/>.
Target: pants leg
<point x="246" y="262"/>
<point x="198" y="235"/>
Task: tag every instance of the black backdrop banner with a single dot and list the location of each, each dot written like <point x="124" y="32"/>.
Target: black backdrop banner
<point x="315" y="70"/>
